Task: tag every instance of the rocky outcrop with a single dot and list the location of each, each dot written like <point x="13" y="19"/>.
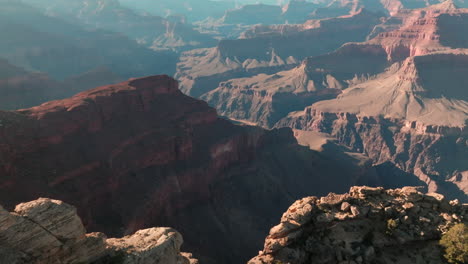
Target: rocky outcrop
<point x="140" y="154"/>
<point x="50" y="231"/>
<point x="366" y="225"/>
<point x="273" y="49"/>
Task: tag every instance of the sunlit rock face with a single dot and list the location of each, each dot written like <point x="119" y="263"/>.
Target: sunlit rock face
<point x="363" y="226"/>
<point x="50" y="231"/>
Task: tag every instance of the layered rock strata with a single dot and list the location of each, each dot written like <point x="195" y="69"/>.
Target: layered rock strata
<point x="271" y="50"/>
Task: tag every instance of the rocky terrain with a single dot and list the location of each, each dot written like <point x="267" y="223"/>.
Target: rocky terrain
<point x="415" y="113"/>
<point x="201" y="71"/>
<point x="151" y="31"/>
<point x="50" y="231"/>
<point x="265" y="99"/>
<point x="401" y="96"/>
<point x="391" y="7"/>
<point x="366" y="225"/>
<point x="140" y="154"/>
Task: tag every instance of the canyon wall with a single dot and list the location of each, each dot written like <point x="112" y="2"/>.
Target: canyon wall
<point x="140" y="154"/>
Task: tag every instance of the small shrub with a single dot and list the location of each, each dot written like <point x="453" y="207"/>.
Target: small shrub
<point x="455" y="242"/>
<point x="391" y="226"/>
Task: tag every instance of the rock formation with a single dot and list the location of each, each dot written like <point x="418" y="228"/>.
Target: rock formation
<point x="415" y="113"/>
<point x="366" y="225"/>
<point x="406" y="119"/>
<point x="265" y="99"/>
<point x="50" y="231"/>
<point x="140" y="154"/>
<point x="273" y="49"/>
<point x="391" y="7"/>
<point x="403" y="98"/>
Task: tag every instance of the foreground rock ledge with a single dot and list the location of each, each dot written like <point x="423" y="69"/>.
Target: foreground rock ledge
<point x="49" y="231"/>
<point x="366" y="225"/>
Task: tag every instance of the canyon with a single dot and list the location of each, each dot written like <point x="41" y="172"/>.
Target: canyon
<point x="140" y="154"/>
<point x="283" y="47"/>
<point x="400" y="96"/>
<point x="151" y="31"/>
<point x="192" y="125"/>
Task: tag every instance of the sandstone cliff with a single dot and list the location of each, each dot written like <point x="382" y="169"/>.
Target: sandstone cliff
<point x="48" y="231"/>
<point x="366" y="225"/>
<point x="140" y="154"/>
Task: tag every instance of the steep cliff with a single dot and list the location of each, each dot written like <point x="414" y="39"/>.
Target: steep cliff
<point x="50" y="231"/>
<point x="140" y="154"/>
<point x="366" y="225"/>
<point x="403" y="101"/>
<point x="272" y="49"/>
<point x="414" y="116"/>
<point x="264" y="99"/>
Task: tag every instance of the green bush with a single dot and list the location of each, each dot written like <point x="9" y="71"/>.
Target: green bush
<point x="455" y="242"/>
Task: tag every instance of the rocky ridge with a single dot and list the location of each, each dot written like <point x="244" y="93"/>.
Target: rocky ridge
<point x="50" y="231"/>
<point x="366" y="225"/>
